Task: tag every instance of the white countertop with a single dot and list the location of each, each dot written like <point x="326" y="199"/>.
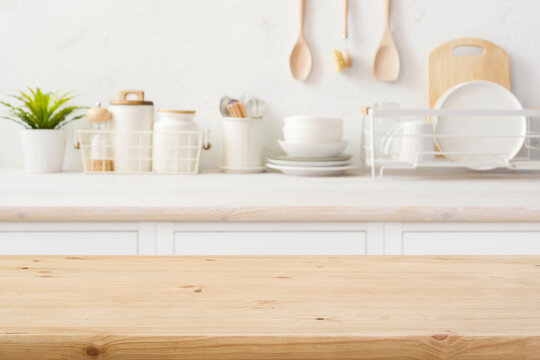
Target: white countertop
<point x="267" y="197"/>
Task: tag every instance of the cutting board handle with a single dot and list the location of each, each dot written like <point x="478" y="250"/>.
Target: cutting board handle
<point x="485" y="45"/>
<point x="489" y="48"/>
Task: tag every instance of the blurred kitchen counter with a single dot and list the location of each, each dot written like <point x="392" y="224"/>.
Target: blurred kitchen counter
<point x="217" y="197"/>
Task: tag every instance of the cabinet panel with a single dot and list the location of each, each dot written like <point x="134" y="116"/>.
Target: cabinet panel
<point x="270" y="243"/>
<point x="68" y="243"/>
<point x="471" y="243"/>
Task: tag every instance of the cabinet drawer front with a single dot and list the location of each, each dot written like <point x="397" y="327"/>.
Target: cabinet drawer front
<point x="471" y="243"/>
<point x="68" y="243"/>
<point x="270" y="243"/>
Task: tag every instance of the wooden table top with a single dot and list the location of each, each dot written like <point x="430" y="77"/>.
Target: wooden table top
<point x="259" y="307"/>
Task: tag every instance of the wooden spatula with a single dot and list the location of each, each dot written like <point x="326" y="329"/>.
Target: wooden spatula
<point x="300" y="60"/>
<point x="387" y="65"/>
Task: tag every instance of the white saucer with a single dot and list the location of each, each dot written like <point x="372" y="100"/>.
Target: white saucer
<point x="311" y="171"/>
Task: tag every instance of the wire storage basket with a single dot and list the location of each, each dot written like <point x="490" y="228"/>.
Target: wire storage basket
<point x="406" y="139"/>
<point x="141" y="152"/>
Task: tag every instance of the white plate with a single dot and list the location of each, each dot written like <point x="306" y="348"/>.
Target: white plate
<point x="309" y="163"/>
<point x="308" y="171"/>
<point x="484" y="95"/>
<point x="313" y="150"/>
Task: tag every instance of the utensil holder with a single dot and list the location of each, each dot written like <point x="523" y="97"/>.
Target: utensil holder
<point x="242" y="145"/>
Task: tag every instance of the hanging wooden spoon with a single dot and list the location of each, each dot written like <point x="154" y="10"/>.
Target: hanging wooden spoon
<point x="300" y="60"/>
<point x="386" y="66"/>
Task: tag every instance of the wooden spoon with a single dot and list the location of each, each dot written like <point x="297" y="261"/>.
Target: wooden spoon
<point x="300" y="61"/>
<point x="386" y="65"/>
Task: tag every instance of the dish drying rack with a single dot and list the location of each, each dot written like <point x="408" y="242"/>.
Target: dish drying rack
<point x="175" y="156"/>
<point x="379" y="121"/>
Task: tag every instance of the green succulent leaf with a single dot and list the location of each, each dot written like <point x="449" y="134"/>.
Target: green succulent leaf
<point x="42" y="110"/>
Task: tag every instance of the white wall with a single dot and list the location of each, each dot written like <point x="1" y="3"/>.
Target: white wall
<point x="189" y="53"/>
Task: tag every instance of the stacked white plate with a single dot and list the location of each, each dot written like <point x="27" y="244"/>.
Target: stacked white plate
<point x="313" y="147"/>
<point x="311" y="166"/>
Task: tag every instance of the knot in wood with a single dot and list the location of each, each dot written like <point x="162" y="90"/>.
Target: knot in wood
<point x="92" y="351"/>
<point x="440" y="337"/>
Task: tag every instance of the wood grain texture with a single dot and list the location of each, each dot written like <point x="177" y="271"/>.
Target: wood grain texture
<point x="485" y="197"/>
<point x="447" y="69"/>
<point x="293" y="307"/>
<point x="274" y="214"/>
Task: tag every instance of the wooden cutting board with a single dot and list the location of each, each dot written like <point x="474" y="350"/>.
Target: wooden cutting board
<point x="447" y="69"/>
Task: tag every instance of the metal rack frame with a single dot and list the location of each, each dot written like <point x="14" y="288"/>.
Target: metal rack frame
<point x="186" y="158"/>
<point x="378" y="164"/>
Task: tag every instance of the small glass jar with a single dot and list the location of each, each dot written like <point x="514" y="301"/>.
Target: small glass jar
<point x="100" y="158"/>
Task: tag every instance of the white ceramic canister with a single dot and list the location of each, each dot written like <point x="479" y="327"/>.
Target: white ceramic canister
<point x="176" y="141"/>
<point x="132" y="124"/>
<point x="242" y="145"/>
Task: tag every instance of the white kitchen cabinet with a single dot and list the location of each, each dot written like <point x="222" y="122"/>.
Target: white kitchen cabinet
<point x="471" y="243"/>
<point x="77" y="238"/>
<point x="269" y="243"/>
<point x="68" y="243"/>
<point x="270" y="238"/>
<point x="462" y="238"/>
<point x="165" y="238"/>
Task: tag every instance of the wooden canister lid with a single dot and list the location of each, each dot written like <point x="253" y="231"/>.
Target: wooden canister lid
<point x="125" y="101"/>
<point x="176" y="111"/>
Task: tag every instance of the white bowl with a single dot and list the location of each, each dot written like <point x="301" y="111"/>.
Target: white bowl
<point x="305" y="120"/>
<point x="313" y="150"/>
<point x="312" y="134"/>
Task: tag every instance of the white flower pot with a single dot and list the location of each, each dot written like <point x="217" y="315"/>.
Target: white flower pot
<point x="43" y="150"/>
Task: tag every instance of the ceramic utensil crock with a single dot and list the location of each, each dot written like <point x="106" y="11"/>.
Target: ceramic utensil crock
<point x="242" y="145"/>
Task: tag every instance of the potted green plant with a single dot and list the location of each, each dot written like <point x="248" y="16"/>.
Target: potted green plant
<point x="43" y="115"/>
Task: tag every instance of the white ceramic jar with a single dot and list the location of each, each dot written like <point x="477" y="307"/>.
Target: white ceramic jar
<point x="132" y="124"/>
<point x="175" y="143"/>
